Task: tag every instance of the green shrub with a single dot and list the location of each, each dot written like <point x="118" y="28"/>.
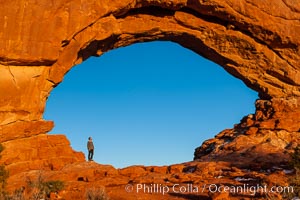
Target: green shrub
<point x="52" y="186"/>
<point x="41" y="189"/>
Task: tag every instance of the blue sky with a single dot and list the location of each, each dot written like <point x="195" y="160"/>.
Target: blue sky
<point x="147" y="104"/>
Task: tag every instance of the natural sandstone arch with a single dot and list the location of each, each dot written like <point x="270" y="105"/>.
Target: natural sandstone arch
<point x="253" y="40"/>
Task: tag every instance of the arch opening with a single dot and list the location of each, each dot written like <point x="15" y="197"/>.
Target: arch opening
<point x="149" y="103"/>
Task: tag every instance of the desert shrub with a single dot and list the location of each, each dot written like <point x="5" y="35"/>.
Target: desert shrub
<point x="41" y="189"/>
<point x="52" y="186"/>
<point x="294" y="180"/>
<point x="3" y="172"/>
<point x="295" y="158"/>
<point x="36" y="189"/>
<point x="96" y="194"/>
<point x="1" y="148"/>
<point x="3" y="176"/>
<point x="18" y="194"/>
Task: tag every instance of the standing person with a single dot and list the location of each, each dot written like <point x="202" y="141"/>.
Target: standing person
<point x="90" y="147"/>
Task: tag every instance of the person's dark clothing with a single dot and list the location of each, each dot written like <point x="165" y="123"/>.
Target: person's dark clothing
<point x="90" y="147"/>
<point x="91" y="154"/>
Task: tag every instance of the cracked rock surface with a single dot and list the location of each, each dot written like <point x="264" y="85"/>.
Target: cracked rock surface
<point x="254" y="40"/>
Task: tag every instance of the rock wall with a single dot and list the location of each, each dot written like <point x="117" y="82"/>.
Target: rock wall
<point x="267" y="137"/>
<point x="254" y="40"/>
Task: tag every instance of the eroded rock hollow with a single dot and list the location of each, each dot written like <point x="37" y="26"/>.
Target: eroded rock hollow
<point x="256" y="41"/>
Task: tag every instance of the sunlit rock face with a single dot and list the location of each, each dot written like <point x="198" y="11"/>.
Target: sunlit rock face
<point x="40" y="41"/>
<point x="266" y="137"/>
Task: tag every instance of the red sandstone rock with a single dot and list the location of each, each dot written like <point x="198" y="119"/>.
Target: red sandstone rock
<point x="23" y="129"/>
<point x="133" y="171"/>
<point x="84" y="176"/>
<point x="252" y="131"/>
<point x="254" y="41"/>
<point x="35" y="54"/>
<point x="40" y="152"/>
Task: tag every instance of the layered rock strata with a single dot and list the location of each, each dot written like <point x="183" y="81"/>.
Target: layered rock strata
<point x="191" y="180"/>
<point x="255" y="41"/>
<point x="270" y="135"/>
